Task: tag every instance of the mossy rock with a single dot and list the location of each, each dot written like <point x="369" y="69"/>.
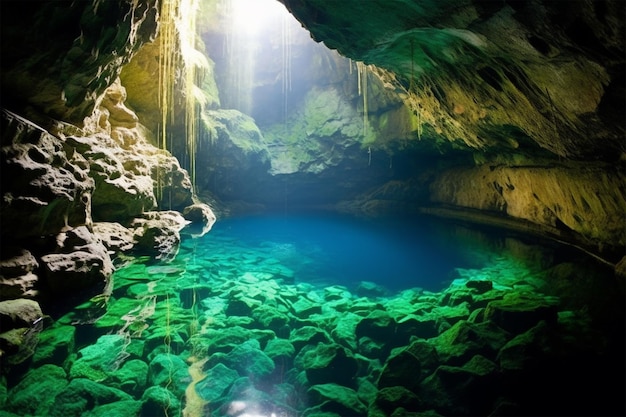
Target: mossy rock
<point x="159" y="402"/>
<point x="337" y="399"/>
<point x="55" y="345"/>
<point x="83" y="395"/>
<point x="128" y="408"/>
<point x="171" y="372"/>
<point x="35" y="393"/>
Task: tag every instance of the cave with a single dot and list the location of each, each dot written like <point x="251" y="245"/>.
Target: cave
<point x="313" y="208"/>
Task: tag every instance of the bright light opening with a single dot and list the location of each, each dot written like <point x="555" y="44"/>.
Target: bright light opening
<point x="252" y="16"/>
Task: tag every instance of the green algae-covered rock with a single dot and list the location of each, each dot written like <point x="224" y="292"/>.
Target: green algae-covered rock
<point x="55" y="345"/>
<point x="128" y="408"/>
<point x="249" y="360"/>
<point x="170" y="371"/>
<point x="464" y="339"/>
<point x="35" y="393"/>
<point x="96" y="362"/>
<point x="159" y="402"/>
<point x="337" y="399"/>
<point x="131" y="377"/>
<point x="4" y="391"/>
<point x="526" y="350"/>
<point x="280" y="349"/>
<point x="82" y="395"/>
<point x="308" y="335"/>
<point x="390" y="398"/>
<point x="329" y="363"/>
<point x="216" y="383"/>
<point x="467" y="390"/>
<point x="377" y="325"/>
<point x="517" y="313"/>
<point x="225" y="339"/>
<point x="408" y="366"/>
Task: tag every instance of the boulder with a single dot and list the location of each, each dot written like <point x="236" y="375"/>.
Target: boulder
<point x="35" y="393"/>
<point x="249" y="360"/>
<point x="159" y="402"/>
<point x="329" y="363"/>
<point x="157" y="234"/>
<point x="80" y="264"/>
<point x="171" y="372"/>
<point x="517" y="313"/>
<point x="337" y="399"/>
<point x="216" y="383"/>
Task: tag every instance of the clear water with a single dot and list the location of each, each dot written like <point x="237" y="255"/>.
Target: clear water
<point x="324" y="248"/>
<point x="234" y="325"/>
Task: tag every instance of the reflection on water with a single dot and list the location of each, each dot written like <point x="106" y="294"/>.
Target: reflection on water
<point x="320" y="314"/>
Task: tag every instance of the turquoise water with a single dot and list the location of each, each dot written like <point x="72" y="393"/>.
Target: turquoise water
<point x="319" y="314"/>
<point x="326" y="248"/>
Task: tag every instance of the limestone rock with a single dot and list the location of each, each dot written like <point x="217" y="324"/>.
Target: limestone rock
<point x="115" y="237"/>
<point x="43" y="191"/>
<point x="80" y="264"/>
<point x="19" y="313"/>
<point x="17" y="279"/>
<point x="81" y="49"/>
<point x="158" y="233"/>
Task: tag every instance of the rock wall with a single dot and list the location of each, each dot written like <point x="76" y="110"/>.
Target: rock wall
<point x="81" y="181"/>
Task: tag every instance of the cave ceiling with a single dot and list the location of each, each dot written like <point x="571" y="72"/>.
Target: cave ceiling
<point x="551" y="72"/>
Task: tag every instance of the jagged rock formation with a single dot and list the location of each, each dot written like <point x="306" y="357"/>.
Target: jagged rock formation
<point x="81" y="182"/>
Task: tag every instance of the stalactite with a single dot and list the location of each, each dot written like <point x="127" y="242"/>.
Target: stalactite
<point x="362" y="82"/>
<point x="286" y="57"/>
<point x="179" y="60"/>
<point x="167" y="67"/>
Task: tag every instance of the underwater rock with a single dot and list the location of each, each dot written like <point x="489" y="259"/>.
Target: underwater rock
<point x="82" y="395"/>
<point x="463" y="340"/>
<point x="481" y="286"/>
<point x="201" y="217"/>
<point x="131" y="377"/>
<point x="517" y="313"/>
<point x="526" y="350"/>
<point x="171" y="372"/>
<point x="249" y="360"/>
<point x="127" y="408"/>
<point x="55" y="346"/>
<point x="36" y="392"/>
<point x="328" y="363"/>
<point x="98" y="361"/>
<point x="337" y="399"/>
<point x="409" y="366"/>
<point x="391" y="398"/>
<point x="468" y="390"/>
<point x="216" y="383"/>
<point x="281" y="351"/>
<point x="308" y="335"/>
<point x="159" y="402"/>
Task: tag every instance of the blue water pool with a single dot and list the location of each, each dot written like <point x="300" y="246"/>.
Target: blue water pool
<point x="329" y="248"/>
